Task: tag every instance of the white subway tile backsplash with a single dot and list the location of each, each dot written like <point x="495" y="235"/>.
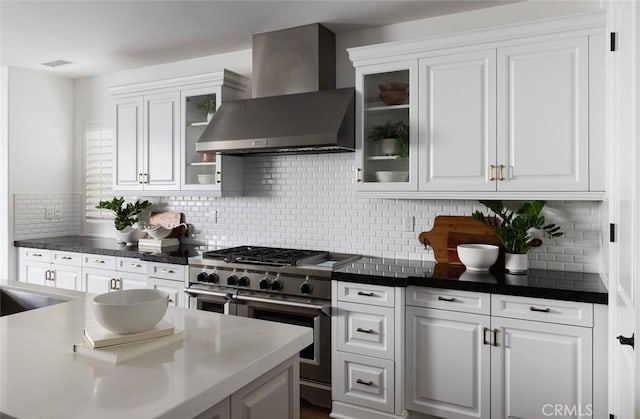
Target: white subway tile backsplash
<point x="39" y="215"/>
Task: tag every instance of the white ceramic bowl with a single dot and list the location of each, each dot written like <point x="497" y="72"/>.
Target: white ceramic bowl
<point x="158" y="232"/>
<point x="206" y="179"/>
<point x="129" y="235"/>
<point x="389" y="176"/>
<point x="130" y="311"/>
<point x="478" y="257"/>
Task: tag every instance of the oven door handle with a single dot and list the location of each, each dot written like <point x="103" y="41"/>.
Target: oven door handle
<point x="322" y="308"/>
<point x="195" y="293"/>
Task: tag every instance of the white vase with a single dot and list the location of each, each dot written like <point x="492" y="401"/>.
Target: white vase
<point x="516" y="263"/>
<point x="389" y="147"/>
<point x="129" y="235"/>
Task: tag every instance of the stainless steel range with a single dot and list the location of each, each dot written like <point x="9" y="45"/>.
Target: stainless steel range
<point x="284" y="285"/>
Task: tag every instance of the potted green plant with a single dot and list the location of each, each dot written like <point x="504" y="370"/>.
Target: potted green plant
<point x="125" y="217"/>
<point x="393" y="138"/>
<point x="208" y="106"/>
<point x="515" y="230"/>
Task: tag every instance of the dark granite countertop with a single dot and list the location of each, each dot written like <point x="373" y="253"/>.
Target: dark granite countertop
<point x="556" y="285"/>
<point x="110" y="247"/>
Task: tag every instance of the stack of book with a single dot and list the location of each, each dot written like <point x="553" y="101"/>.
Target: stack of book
<point x="154" y="245"/>
<point x="104" y="345"/>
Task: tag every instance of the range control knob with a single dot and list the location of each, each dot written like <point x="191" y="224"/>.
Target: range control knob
<point x="212" y="278"/>
<point x="306" y="288"/>
<point x="244" y="281"/>
<point x="276" y="285"/>
<point x="232" y="280"/>
<point x="202" y="277"/>
<point x="265" y="284"/>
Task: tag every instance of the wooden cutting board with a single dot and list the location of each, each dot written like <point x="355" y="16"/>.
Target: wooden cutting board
<point x="451" y="230"/>
<point x="169" y="220"/>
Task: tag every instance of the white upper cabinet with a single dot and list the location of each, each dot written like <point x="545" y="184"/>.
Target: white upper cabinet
<point x="157" y="127"/>
<point x="457" y="107"/>
<point x="543" y="116"/>
<point x="513" y="112"/>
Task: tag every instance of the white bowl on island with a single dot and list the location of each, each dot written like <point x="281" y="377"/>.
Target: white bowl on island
<point x="477" y="256"/>
<point x="130" y="311"/>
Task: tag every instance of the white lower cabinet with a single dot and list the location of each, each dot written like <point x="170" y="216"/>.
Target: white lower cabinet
<point x="367" y="331"/>
<point x="173" y="288"/>
<point x="50" y="268"/>
<point x="469" y="365"/>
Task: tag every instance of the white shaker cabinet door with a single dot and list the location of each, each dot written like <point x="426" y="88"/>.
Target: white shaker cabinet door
<point x="129" y="164"/>
<point x="448" y="366"/>
<point x="35" y="273"/>
<point x="162" y="141"/>
<point x="67" y="277"/>
<point x="543" y="116"/>
<point x="537" y="366"/>
<point x="457" y="106"/>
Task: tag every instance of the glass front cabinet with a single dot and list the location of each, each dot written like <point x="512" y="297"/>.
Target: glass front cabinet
<point x="386" y="127"/>
<point x="208" y="171"/>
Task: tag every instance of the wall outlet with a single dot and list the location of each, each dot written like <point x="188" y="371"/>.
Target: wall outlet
<point x="57" y="213"/>
<point x="408" y="223"/>
<point x="48" y="213"/>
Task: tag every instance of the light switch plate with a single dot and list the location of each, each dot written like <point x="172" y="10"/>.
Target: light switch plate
<point x="408" y="223"/>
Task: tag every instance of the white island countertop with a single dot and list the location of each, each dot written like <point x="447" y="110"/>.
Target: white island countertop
<point x="41" y="377"/>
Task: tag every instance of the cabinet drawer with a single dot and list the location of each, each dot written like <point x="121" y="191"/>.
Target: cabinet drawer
<point x="132" y="265"/>
<point x="465" y="301"/>
<point x="367" y="330"/>
<point x="66" y="258"/>
<point x="167" y="271"/>
<point x="90" y="260"/>
<point x="364" y="381"/>
<point x="366" y="294"/>
<point x="36" y="255"/>
<point x="544" y="310"/>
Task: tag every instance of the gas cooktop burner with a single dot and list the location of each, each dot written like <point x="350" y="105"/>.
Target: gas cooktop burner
<point x="265" y="255"/>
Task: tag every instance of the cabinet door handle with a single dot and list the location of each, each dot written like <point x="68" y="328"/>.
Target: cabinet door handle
<point x="495" y="337"/>
<point x="492" y="169"/>
<point x="370" y="331"/>
<point x="66" y="257"/>
<point x="364" y="383"/>
<point x="47" y="275"/>
<point x="218" y="177"/>
<point x="484" y="336"/>
<point x="52" y="275"/>
<point x="366" y="294"/>
<point x="145" y="179"/>
<point x="447" y="299"/>
<point x="118" y="284"/>
<point x="167" y="271"/>
<point x="627" y="341"/>
<point x="140" y="178"/>
<point x="358" y="171"/>
<point x="501" y="172"/>
<point x="540" y="310"/>
<point x="111" y="284"/>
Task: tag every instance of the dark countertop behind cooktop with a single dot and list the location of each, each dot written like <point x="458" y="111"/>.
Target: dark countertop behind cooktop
<point x="557" y="285"/>
<point x="110" y="247"/>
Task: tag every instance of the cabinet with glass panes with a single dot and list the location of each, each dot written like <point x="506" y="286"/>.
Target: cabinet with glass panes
<point x="386" y="132"/>
<point x="209" y="171"/>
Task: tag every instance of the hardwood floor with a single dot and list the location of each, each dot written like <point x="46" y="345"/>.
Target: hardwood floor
<point x="309" y="411"/>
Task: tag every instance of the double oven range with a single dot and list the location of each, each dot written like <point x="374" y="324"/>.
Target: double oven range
<point x="284" y="285"/>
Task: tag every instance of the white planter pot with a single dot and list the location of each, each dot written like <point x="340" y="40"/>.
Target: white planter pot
<point x="129" y="235"/>
<point x="516" y="263"/>
<point x="389" y="147"/>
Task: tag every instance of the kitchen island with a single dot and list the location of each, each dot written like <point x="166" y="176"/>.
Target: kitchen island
<point x="222" y="361"/>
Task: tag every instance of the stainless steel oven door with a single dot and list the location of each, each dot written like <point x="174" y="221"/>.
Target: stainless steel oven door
<point x="315" y="360"/>
<point x="214" y="300"/>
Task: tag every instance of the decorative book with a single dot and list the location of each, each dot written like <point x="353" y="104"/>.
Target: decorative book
<point x="158" y="243"/>
<point x="99" y="337"/>
<point x="116" y="354"/>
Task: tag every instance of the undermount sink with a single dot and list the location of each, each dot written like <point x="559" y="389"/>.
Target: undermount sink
<point x="15" y="301"/>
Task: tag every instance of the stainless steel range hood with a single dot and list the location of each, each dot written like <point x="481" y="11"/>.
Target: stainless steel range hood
<point x="295" y="108"/>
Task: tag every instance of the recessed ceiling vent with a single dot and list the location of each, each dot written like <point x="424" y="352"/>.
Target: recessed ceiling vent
<point x="56" y="63"/>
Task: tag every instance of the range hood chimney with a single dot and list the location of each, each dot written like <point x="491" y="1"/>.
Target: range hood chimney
<point x="295" y="107"/>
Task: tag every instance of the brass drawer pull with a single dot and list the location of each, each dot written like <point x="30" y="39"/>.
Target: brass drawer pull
<point x="167" y="271"/>
<point x="366" y="294"/>
<point x="66" y="258"/>
<point x="492" y="169"/>
<point x="98" y="261"/>
<point x="38" y="255"/>
<point x="447" y="299"/>
<point x="370" y="331"/>
<point x="501" y="172"/>
<point x="540" y="310"/>
<point x="364" y="383"/>
<point x="135" y="265"/>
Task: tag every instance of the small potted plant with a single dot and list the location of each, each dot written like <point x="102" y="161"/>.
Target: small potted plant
<point x="208" y="106"/>
<point x="125" y="217"/>
<point x="393" y="138"/>
<point x="515" y="230"/>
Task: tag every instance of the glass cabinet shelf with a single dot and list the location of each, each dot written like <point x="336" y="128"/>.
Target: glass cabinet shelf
<point x="199" y="124"/>
<point x="202" y="163"/>
<point x="387" y="108"/>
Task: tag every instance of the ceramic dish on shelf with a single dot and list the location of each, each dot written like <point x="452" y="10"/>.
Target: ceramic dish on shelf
<point x="206" y="178"/>
<point x="392" y="176"/>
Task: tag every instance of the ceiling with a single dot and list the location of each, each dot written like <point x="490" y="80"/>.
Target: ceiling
<point x="106" y="36"/>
